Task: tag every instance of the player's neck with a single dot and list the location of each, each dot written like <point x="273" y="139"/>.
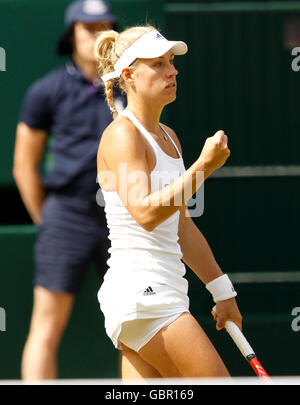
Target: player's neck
<point x="148" y="116"/>
<point x="88" y="69"/>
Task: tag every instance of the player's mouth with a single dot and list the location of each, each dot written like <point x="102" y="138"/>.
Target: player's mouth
<point x="171" y="85"/>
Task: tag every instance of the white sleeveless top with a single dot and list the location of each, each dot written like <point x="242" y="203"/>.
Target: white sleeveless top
<point x="143" y="264"/>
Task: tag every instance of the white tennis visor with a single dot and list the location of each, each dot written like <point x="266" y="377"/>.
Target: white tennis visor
<point x="148" y="46"/>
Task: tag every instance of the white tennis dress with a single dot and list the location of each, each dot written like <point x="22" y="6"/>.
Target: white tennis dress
<point x="145" y="278"/>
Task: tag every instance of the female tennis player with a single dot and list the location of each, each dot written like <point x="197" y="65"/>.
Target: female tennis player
<point x="146" y="188"/>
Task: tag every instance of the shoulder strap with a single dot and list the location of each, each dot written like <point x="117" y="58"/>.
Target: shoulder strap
<point x="179" y="154"/>
<point x="139" y="126"/>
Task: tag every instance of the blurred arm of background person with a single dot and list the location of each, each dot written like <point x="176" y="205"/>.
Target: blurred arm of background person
<point x="29" y="150"/>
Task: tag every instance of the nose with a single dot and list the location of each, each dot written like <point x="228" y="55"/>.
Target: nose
<point x="172" y="71"/>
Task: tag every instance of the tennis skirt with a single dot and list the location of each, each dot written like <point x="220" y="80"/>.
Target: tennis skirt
<point x="134" y="312"/>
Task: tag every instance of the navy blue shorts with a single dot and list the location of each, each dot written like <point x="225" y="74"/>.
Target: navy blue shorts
<point x="72" y="236"/>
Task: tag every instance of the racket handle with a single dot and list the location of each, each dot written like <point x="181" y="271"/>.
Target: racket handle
<point x="246" y="350"/>
<point x="240" y="340"/>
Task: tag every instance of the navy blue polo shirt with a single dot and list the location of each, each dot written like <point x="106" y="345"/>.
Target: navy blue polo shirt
<point x="74" y="111"/>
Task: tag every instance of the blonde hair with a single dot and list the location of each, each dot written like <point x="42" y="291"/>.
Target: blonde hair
<point x="109" y="46"/>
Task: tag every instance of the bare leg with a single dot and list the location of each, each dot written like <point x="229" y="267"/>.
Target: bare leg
<point x="51" y="312"/>
<point x="183" y="349"/>
<point x="134" y="367"/>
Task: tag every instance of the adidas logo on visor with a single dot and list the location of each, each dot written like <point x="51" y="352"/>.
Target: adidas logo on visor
<point x="149" y="291"/>
<point x="159" y="36"/>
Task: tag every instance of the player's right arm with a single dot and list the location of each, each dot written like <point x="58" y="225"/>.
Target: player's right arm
<point x="124" y="153"/>
<point x="28" y="153"/>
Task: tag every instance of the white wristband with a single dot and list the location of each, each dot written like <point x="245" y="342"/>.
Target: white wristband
<point x="221" y="288"/>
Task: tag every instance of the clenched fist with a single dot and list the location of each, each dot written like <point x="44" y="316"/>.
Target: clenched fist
<point x="215" y="151"/>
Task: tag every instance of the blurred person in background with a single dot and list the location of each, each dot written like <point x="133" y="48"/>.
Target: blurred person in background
<point x="68" y="104"/>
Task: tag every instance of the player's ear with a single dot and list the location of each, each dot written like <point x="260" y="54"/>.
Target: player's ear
<point x="127" y="75"/>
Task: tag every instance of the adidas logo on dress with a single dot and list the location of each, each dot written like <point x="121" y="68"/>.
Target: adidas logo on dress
<point x="149" y="291"/>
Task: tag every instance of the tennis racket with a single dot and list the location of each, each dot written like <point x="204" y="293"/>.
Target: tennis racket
<point x="246" y="350"/>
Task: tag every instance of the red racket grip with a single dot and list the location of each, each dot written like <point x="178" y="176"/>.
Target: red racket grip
<point x="259" y="370"/>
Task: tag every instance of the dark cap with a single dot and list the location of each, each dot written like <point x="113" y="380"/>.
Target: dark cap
<point x="88" y="11"/>
<point x="85" y="11"/>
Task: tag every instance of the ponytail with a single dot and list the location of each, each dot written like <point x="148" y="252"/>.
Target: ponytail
<point x="104" y="54"/>
<point x="108" y="48"/>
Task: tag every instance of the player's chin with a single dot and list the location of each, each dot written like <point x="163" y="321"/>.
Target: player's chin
<point x="170" y="98"/>
<point x="171" y="101"/>
<point x="166" y="97"/>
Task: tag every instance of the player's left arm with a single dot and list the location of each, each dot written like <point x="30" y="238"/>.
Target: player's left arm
<point x="195" y="249"/>
<point x="198" y="256"/>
